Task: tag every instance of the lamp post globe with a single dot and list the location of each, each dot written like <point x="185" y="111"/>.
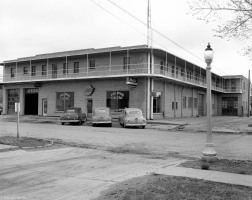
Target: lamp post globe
<point x="209" y="153"/>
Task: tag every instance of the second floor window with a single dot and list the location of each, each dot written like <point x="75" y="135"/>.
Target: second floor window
<point x="44" y="70"/>
<point x="54" y="70"/>
<point x="33" y="70"/>
<point x="173" y="70"/>
<point x="76" y="67"/>
<point x="126" y="62"/>
<point x="25" y="70"/>
<point x="161" y="67"/>
<point x="65" y="68"/>
<point x="12" y="72"/>
<point x="92" y="64"/>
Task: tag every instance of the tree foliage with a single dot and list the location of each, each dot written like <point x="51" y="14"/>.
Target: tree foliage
<point x="233" y="17"/>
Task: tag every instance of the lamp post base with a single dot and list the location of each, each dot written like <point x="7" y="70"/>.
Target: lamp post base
<point x="209" y="154"/>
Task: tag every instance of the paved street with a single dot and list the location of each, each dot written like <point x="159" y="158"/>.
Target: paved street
<point x="104" y="156"/>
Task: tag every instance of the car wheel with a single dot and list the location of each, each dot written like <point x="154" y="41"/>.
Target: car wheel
<point x="62" y="123"/>
<point x="80" y="122"/>
<point x="143" y="127"/>
<point x="124" y="126"/>
<point x="93" y="125"/>
<point x="110" y="125"/>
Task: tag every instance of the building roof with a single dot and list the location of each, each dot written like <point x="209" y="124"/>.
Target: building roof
<point x="75" y="53"/>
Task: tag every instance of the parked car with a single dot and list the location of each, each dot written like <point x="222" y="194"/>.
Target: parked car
<point x="1" y="109"/>
<point x="73" y="115"/>
<point x="102" y="116"/>
<point x="132" y="117"/>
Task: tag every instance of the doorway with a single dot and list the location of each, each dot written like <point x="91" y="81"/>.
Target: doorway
<point x="89" y="108"/>
<point x="31" y="101"/>
<point x="44" y="107"/>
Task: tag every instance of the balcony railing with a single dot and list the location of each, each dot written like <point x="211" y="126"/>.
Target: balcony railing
<point x="114" y="70"/>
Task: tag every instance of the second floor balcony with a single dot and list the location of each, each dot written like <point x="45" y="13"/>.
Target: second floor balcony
<point x="52" y="73"/>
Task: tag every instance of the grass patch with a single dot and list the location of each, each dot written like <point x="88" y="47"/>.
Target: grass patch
<point x="222" y="165"/>
<point x="23" y="141"/>
<point x="159" y="187"/>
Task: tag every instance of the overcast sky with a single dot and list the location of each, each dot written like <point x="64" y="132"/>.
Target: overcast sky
<point x="30" y="27"/>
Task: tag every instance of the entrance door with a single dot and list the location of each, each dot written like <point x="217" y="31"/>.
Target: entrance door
<point x="31" y="101"/>
<point x="201" y="105"/>
<point x="89" y="108"/>
<point x="44" y="107"/>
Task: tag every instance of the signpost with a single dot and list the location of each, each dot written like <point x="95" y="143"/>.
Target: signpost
<point x="17" y="109"/>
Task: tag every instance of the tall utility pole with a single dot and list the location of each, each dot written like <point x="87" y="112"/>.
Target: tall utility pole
<point x="149" y="113"/>
<point x="248" y="94"/>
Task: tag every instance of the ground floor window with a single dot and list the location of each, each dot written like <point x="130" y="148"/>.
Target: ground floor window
<point x="157" y="103"/>
<point x="117" y="100"/>
<point x="64" y="100"/>
<point x="13" y="97"/>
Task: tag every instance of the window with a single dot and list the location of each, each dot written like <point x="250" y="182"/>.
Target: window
<point x="12" y="72"/>
<point x="161" y="67"/>
<point x="25" y="70"/>
<point x="44" y="70"/>
<point x="76" y="67"/>
<point x="117" y="100"/>
<point x="233" y="86"/>
<point x="195" y="103"/>
<point x="176" y="72"/>
<point x="173" y="70"/>
<point x="190" y="102"/>
<point x="182" y="72"/>
<point x="54" y="71"/>
<point x="64" y="100"/>
<point x="157" y="103"/>
<point x="33" y="70"/>
<point x="92" y="64"/>
<point x="65" y="68"/>
<point x="126" y="63"/>
<point x="174" y="103"/>
<point x="184" y="102"/>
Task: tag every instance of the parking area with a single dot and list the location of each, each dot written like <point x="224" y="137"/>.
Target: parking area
<point x="86" y="160"/>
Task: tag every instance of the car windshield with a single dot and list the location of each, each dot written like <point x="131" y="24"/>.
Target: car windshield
<point x="71" y="111"/>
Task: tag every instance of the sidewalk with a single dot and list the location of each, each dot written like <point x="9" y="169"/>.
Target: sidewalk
<point x="208" y="175"/>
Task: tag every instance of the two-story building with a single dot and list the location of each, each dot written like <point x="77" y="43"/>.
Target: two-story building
<point x="156" y="81"/>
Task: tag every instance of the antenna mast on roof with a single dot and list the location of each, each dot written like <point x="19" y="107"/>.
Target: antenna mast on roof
<point x="149" y="33"/>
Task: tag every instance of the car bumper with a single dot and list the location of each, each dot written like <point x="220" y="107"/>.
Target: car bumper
<point x="102" y="122"/>
<point x="69" y="121"/>
<point x="136" y="124"/>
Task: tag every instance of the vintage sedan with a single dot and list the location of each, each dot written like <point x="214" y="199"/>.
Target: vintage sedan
<point x="102" y="116"/>
<point x="73" y="115"/>
<point x="132" y="117"/>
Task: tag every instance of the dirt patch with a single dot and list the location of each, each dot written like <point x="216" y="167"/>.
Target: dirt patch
<point x="222" y="165"/>
<point x="157" y="187"/>
<point x="23" y="141"/>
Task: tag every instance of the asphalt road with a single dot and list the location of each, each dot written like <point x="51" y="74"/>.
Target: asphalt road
<point x="104" y="156"/>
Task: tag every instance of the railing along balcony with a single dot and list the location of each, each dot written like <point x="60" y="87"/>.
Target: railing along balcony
<point x="113" y="70"/>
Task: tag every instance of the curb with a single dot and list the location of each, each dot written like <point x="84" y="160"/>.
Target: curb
<point x="9" y="149"/>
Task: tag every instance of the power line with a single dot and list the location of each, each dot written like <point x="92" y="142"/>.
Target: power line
<point x="159" y="33"/>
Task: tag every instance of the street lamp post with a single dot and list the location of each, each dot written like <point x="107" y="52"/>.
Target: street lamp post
<point x="209" y="153"/>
